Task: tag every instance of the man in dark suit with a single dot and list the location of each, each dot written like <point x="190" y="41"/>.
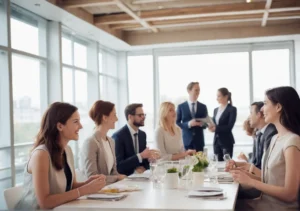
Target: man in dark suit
<point x="262" y="140"/>
<point x="130" y="142"/>
<point x="188" y="114"/>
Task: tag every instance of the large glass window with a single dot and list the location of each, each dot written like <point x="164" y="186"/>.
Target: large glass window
<point x="140" y="84"/>
<point x="3" y="23"/>
<point x="271" y="68"/>
<point x="212" y="71"/>
<point x="35" y="27"/>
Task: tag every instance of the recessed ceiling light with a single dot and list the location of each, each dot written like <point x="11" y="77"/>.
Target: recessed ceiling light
<point x="160" y="7"/>
<point x="248" y="1"/>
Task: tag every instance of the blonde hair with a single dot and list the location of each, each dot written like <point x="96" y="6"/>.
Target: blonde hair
<point x="163" y="112"/>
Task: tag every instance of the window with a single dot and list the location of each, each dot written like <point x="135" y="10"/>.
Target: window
<point x="140" y="84"/>
<point x="273" y="65"/>
<point x="212" y="71"/>
<point x="80" y="55"/>
<point x="3" y="23"/>
<point x="35" y="28"/>
<point x="66" y="50"/>
<point x="108" y="91"/>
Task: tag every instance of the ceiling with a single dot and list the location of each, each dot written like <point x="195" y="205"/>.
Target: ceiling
<point x="139" y="22"/>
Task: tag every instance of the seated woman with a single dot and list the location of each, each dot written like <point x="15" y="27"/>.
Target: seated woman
<point x="279" y="179"/>
<point x="98" y="151"/>
<point x="168" y="136"/>
<point x="49" y="176"/>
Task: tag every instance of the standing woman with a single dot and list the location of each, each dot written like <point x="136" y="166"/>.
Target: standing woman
<point x="168" y="136"/>
<point x="49" y="176"/>
<point x="98" y="151"/>
<point x="224" y="119"/>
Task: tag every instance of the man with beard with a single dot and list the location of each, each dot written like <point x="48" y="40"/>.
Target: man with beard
<point x="130" y="142"/>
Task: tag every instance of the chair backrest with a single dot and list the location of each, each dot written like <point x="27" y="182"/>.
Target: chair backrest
<point x="12" y="196"/>
<point x="79" y="176"/>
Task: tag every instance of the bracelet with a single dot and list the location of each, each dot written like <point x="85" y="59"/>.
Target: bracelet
<point x="78" y="192"/>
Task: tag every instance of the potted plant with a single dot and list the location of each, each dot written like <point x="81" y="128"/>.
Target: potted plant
<point x="171" y="180"/>
<point x="200" y="162"/>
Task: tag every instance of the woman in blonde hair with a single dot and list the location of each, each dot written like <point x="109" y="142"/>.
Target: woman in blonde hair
<point x="168" y="136"/>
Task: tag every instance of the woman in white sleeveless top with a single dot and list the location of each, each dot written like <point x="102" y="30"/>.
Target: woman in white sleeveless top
<point x="49" y="176"/>
<point x="168" y="136"/>
<point x="98" y="151"/>
<point x="279" y="179"/>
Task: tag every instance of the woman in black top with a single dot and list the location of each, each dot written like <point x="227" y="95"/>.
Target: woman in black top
<point x="224" y="119"/>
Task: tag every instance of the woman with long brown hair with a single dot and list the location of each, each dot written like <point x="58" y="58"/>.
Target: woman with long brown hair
<point x="49" y="176"/>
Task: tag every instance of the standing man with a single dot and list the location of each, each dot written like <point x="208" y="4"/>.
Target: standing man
<point x="130" y="142"/>
<point x="188" y="114"/>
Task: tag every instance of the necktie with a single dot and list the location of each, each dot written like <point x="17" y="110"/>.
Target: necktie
<point x="135" y="143"/>
<point x="258" y="147"/>
<point x="193" y="110"/>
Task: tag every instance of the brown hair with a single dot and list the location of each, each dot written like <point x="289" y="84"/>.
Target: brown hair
<point x="49" y="135"/>
<point x="247" y="127"/>
<point x="99" y="109"/>
<point x="224" y="91"/>
<point x="131" y="108"/>
<point x="191" y="85"/>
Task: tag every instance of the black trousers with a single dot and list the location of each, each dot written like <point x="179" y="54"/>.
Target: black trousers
<point x="196" y="145"/>
<point x="221" y="150"/>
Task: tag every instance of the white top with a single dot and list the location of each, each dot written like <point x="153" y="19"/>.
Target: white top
<point x="219" y="113"/>
<point x="190" y="105"/>
<point x="108" y="155"/>
<point x="168" y="144"/>
<point x="132" y="132"/>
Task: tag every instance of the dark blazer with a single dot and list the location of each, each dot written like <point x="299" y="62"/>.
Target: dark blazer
<point x="265" y="141"/>
<point x="223" y="132"/>
<point x="127" y="160"/>
<point x="184" y="116"/>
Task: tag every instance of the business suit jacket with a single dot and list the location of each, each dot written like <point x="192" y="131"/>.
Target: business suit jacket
<point x="127" y="160"/>
<point x="265" y="141"/>
<point x="93" y="159"/>
<point x="223" y="132"/>
<point x="184" y="116"/>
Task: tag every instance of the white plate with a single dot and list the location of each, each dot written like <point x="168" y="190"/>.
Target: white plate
<point x="139" y="176"/>
<point x="106" y="196"/>
<point x="212" y="189"/>
<point x="201" y="194"/>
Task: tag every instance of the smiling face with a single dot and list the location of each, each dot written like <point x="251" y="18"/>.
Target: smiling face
<point x="271" y="111"/>
<point x="70" y="130"/>
<point x="111" y="119"/>
<point x="221" y="98"/>
<point x="171" y="116"/>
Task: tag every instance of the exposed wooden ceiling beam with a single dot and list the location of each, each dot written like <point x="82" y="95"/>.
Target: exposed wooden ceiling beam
<point x="126" y="9"/>
<point x="136" y="27"/>
<point x="151" y="1"/>
<point x="207" y="11"/>
<point x="266" y="13"/>
<point x="85" y="3"/>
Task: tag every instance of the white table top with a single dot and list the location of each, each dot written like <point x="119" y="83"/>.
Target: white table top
<point x="150" y="198"/>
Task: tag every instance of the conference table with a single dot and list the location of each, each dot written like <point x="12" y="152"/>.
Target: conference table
<point x="153" y="198"/>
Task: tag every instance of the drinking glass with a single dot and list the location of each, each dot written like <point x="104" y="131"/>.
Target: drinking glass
<point x="213" y="169"/>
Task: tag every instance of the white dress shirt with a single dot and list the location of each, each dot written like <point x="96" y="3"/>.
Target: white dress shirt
<point x="108" y="155"/>
<point x="132" y="132"/>
<point x="190" y="106"/>
<point x="219" y="114"/>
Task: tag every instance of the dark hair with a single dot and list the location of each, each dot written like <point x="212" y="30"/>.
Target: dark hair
<point x="99" y="109"/>
<point x="258" y="105"/>
<point x="48" y="134"/>
<point x="289" y="100"/>
<point x="191" y="85"/>
<point x="131" y="108"/>
<point x="224" y="91"/>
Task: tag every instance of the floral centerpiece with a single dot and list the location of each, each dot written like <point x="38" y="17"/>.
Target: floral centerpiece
<point x="200" y="162"/>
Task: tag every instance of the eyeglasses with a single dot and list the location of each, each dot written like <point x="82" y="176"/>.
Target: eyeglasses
<point x="140" y="115"/>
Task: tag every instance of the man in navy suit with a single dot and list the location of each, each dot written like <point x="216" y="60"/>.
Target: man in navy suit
<point x="188" y="114"/>
<point x="130" y="142"/>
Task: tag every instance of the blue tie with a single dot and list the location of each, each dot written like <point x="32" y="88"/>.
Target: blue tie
<point x="193" y="110"/>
